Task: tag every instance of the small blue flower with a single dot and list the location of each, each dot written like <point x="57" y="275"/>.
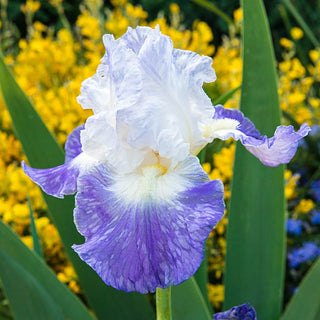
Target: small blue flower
<point x="242" y="312"/>
<point x="294" y="226"/>
<point x="315" y="218"/>
<point x="308" y="251"/>
<point x="143" y="201"/>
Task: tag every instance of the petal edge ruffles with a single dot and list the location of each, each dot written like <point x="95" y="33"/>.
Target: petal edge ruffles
<point x="271" y="152"/>
<point x="149" y="244"/>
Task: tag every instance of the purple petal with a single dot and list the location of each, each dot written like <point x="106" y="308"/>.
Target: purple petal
<point x="270" y="151"/>
<point x="61" y="180"/>
<point x="242" y="312"/>
<point x="57" y="181"/>
<point x="73" y="144"/>
<point x="150" y="243"/>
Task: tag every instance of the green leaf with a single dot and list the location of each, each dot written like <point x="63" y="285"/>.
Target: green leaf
<point x="305" y="304"/>
<point x="301" y="22"/>
<point x="256" y="233"/>
<point x="43" y="151"/>
<point x="201" y="277"/>
<point x="35" y="268"/>
<point x="36" y="242"/>
<point x="226" y="96"/>
<point x="188" y="302"/>
<point x="28" y="299"/>
<point x="213" y="8"/>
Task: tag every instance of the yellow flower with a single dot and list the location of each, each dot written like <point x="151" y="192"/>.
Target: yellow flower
<point x="296" y="33"/>
<point x="174" y="8"/>
<point x="74" y="286"/>
<point x="305" y="206"/>
<point x="314" y="102"/>
<point x="314" y="55"/>
<point x="89" y="26"/>
<point x="286" y="43"/>
<point x="136" y="11"/>
<point x="28" y="241"/>
<point x="238" y="15"/>
<point x="206" y="167"/>
<point x="291" y="183"/>
<point x="216" y="294"/>
<point x="119" y="3"/>
<point x="21" y="214"/>
<point x="30" y="6"/>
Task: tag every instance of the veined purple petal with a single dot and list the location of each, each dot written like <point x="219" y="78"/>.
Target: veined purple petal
<point x="270" y="151"/>
<point x="57" y="181"/>
<point x="73" y="144"/>
<point x="61" y="180"/>
<point x="151" y="242"/>
<point x="242" y="312"/>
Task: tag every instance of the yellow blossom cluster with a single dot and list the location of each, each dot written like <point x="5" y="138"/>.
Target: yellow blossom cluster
<point x="216" y="294"/>
<point x="305" y="206"/>
<point x="50" y="68"/>
<point x="298" y="98"/>
<point x="291" y="184"/>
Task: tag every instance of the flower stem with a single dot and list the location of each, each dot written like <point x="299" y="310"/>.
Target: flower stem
<point x="163" y="300"/>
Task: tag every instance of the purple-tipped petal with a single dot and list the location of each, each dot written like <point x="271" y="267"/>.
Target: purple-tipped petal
<point x="73" y="144"/>
<point x="148" y="243"/>
<point x="242" y="312"/>
<point x="61" y="180"/>
<point x="57" y="181"/>
<point x="270" y="151"/>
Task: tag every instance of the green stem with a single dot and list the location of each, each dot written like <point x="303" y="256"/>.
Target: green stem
<point x="210" y="6"/>
<point x="163" y="301"/>
<point x="301" y="22"/>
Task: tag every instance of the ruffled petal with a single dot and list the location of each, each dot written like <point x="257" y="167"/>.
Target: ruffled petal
<point x="140" y="237"/>
<point x="61" y="180"/>
<point x="242" y="312"/>
<point x="73" y="144"/>
<point x="115" y="84"/>
<point x="228" y="123"/>
<point x="172" y="101"/>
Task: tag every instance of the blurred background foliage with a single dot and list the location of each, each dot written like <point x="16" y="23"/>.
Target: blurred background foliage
<point x="52" y="46"/>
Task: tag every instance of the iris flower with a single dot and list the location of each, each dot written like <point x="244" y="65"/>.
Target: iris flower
<point x="143" y="202"/>
<point x="243" y="312"/>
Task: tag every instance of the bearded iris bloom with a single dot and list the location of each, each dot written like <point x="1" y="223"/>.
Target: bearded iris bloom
<point x="143" y="201"/>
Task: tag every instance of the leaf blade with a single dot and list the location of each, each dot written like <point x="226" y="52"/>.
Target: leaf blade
<point x="11" y="244"/>
<point x="188" y="302"/>
<point x="255" y="261"/>
<point x="28" y="299"/>
<point x="305" y="304"/>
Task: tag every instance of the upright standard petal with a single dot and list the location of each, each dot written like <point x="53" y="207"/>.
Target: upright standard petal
<point x="228" y="123"/>
<point x="147" y="230"/>
<point x="115" y="84"/>
<point x="172" y="94"/>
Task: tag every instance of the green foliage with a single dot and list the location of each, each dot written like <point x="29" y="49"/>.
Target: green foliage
<point x="28" y="299"/>
<point x="188" y="302"/>
<point x="305" y="304"/>
<point x="26" y="276"/>
<point x="255" y="259"/>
